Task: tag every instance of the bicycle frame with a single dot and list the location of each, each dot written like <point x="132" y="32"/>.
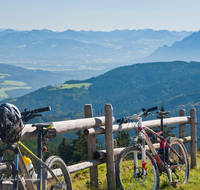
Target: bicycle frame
<point x="19" y="163"/>
<point x="12" y="147"/>
<point x="163" y="167"/>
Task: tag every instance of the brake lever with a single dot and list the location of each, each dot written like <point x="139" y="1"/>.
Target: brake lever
<point x="30" y="116"/>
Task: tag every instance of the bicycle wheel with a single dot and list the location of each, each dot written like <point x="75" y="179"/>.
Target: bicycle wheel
<point x="60" y="169"/>
<point x="181" y="173"/>
<point x="6" y="177"/>
<point x="126" y="178"/>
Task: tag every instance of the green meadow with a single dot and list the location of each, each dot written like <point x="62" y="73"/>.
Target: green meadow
<point x="81" y="179"/>
<point x="78" y="85"/>
<point x="3" y="75"/>
<point x="7" y="85"/>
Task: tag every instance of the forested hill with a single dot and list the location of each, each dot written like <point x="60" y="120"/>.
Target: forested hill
<point x="16" y="81"/>
<point x="129" y="88"/>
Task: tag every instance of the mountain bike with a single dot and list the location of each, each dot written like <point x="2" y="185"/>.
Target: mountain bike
<point x="138" y="168"/>
<point x="51" y="174"/>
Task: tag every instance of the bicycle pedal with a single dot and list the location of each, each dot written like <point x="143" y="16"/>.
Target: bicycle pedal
<point x="174" y="183"/>
<point x="60" y="185"/>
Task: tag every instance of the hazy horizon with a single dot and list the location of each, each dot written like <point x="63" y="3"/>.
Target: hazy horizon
<point x="101" y="15"/>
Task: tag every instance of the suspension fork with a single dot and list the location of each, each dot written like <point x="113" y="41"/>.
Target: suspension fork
<point x="143" y="151"/>
<point x="143" y="156"/>
<point x="144" y="171"/>
<point x="39" y="167"/>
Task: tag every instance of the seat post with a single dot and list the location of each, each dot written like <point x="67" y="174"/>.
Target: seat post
<point x="162" y="144"/>
<point x="162" y="127"/>
<point x="39" y="168"/>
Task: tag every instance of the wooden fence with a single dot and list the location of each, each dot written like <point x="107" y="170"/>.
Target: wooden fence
<point x="104" y="125"/>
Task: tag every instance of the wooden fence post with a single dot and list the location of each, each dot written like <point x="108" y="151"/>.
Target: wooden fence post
<point x="193" y="138"/>
<point x="182" y="126"/>
<point x="91" y="149"/>
<point x="115" y="146"/>
<point x="109" y="147"/>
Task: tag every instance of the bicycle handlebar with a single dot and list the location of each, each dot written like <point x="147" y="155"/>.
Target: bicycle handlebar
<point x="144" y="113"/>
<point x="31" y="114"/>
<point x="152" y="109"/>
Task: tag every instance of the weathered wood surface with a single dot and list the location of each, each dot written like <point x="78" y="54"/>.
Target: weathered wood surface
<point x="62" y="127"/>
<point x="193" y="138"/>
<point x="182" y="125"/>
<point x="91" y="142"/>
<point x="84" y="165"/>
<point x="109" y="147"/>
<point x="78" y="167"/>
<point x="133" y="125"/>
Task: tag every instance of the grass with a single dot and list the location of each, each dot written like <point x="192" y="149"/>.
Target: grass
<point x="81" y="179"/>
<point x="13" y="83"/>
<point x="3" y="75"/>
<point x="8" y="85"/>
<point x="3" y="91"/>
<point x="78" y="85"/>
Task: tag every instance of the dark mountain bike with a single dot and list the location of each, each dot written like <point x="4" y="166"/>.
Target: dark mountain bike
<point x="51" y="174"/>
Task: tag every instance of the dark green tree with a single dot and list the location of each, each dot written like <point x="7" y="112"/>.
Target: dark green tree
<point x="80" y="148"/>
<point x="65" y="151"/>
<point x="123" y="138"/>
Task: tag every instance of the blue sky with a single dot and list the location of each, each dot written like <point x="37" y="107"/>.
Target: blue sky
<point x="100" y="15"/>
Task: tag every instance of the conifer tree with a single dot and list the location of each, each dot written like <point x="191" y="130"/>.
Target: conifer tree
<point x="65" y="151"/>
<point x="123" y="138"/>
<point x="80" y="150"/>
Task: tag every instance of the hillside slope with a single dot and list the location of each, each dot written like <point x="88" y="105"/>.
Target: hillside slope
<point x="17" y="81"/>
<point x="128" y="89"/>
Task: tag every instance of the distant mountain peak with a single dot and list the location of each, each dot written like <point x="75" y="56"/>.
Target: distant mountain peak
<point x="187" y="49"/>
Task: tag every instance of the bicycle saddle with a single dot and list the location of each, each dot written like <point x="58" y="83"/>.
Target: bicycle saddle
<point x="46" y="125"/>
<point x="160" y="113"/>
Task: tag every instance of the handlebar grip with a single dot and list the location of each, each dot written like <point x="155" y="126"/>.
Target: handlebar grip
<point x="42" y="109"/>
<point x="121" y="120"/>
<point x="118" y="120"/>
<point x="152" y="109"/>
<point x="23" y="113"/>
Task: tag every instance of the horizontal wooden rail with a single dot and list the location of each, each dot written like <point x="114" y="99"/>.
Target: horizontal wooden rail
<point x="84" y="165"/>
<point x="102" y="153"/>
<point x="69" y="126"/>
<point x="78" y="167"/>
<point x="133" y="125"/>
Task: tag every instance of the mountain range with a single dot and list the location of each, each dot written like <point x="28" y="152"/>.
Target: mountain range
<point x="187" y="49"/>
<point x="87" y="52"/>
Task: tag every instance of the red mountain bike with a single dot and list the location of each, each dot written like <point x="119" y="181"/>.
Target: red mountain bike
<point x="137" y="168"/>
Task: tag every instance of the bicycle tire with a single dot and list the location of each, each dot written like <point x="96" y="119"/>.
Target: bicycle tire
<point x="125" y="170"/>
<point x="182" y="171"/>
<point x="55" y="162"/>
<point x="6" y="171"/>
